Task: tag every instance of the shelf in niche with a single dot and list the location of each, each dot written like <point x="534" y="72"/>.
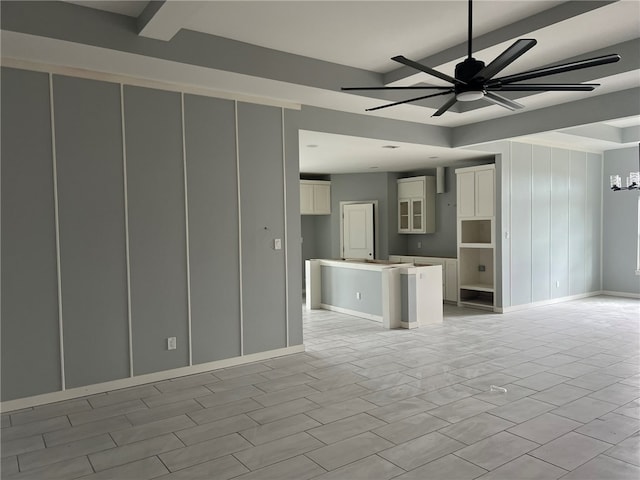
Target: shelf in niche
<point x="476" y="295"/>
<point x="476" y="232"/>
<point x="478" y="287"/>
<point x="476" y="245"/>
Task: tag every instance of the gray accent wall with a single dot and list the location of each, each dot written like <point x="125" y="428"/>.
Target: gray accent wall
<point x="157" y="232"/>
<point x="213" y="227"/>
<point x="362" y="188"/>
<point x="200" y="251"/>
<point x="88" y="125"/>
<point x="547" y="217"/>
<point x="30" y="334"/>
<point x="260" y="153"/>
<point x="620" y="225"/>
<point x="339" y="287"/>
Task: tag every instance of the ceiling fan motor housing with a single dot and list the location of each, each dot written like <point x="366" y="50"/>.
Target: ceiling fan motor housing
<point x="465" y="71"/>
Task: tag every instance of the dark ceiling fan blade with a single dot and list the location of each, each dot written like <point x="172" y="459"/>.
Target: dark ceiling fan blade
<point x="409" y="100"/>
<point x="544" y="87"/>
<point x="445" y="107"/>
<point x="566" y="67"/>
<point x="503" y="60"/>
<point x="415" y="87"/>
<point x="425" y="69"/>
<point x="502" y="101"/>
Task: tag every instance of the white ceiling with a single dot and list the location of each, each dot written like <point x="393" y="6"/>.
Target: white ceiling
<point x="365" y="34"/>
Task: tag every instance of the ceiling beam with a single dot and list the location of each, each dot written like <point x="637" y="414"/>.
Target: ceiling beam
<point x="599" y="108"/>
<point x="161" y="19"/>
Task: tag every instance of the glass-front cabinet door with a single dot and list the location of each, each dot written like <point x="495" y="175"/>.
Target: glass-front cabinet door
<point x="416" y="215"/>
<point x="403" y="216"/>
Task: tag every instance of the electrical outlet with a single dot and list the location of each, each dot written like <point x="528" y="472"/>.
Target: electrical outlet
<point x="557" y="283"/>
<point x="171" y="343"/>
<point x="419" y="244"/>
<point x="358" y="295"/>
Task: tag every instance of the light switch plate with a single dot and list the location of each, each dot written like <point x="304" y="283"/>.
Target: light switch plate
<point x="277" y="244"/>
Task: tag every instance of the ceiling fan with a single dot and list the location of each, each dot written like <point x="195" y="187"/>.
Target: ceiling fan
<point x="474" y="80"/>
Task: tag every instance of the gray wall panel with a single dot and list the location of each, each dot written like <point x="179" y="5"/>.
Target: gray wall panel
<point x="620" y="225"/>
<point x="213" y="227"/>
<point x="593" y="243"/>
<point x="339" y="287"/>
<point x="260" y="152"/>
<point x="29" y="327"/>
<point x="540" y="223"/>
<point x="577" y="211"/>
<point x="153" y="130"/>
<point x="294" y="233"/>
<point x="92" y="230"/>
<point x="559" y="222"/>
<point x="520" y="224"/>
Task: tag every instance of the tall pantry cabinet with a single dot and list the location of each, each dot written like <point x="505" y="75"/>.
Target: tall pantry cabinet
<point x="476" y="235"/>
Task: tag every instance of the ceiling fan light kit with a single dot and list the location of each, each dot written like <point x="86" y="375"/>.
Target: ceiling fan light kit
<point x="473" y="80"/>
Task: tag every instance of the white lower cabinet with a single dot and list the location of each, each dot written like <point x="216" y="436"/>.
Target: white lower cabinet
<point x="449" y="272"/>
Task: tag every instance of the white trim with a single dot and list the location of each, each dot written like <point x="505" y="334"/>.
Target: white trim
<point x="353" y="313"/>
<point x="409" y="324"/>
<point x="235" y="106"/>
<point x="186" y="230"/>
<point x="126" y="229"/>
<point x="286" y="237"/>
<point x="542" y="303"/>
<point x="621" y="294"/>
<point x="21" y="403"/>
<point x="141" y="82"/>
<point x="56" y="213"/>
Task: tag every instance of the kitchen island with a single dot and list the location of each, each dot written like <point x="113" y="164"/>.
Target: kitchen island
<point x="395" y="294"/>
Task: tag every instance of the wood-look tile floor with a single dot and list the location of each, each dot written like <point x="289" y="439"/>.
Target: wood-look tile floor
<point x="363" y="402"/>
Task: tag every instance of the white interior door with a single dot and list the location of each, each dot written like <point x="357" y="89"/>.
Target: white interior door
<point x="357" y="231"/>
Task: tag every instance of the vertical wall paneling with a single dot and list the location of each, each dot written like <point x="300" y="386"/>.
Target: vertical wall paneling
<point x="155" y="175"/>
<point x="559" y="222"/>
<point x="186" y="230"/>
<point x="619" y="225"/>
<point x="126" y="229"/>
<point x="88" y="153"/>
<point x="577" y="230"/>
<point x="263" y="271"/>
<point x="29" y="327"/>
<point x="540" y="223"/>
<point x="239" y="197"/>
<point x="295" y="276"/>
<point x="210" y="153"/>
<point x="503" y="227"/>
<point x="56" y="216"/>
<point x="521" y="224"/>
<point x="286" y="238"/>
<point x="593" y="220"/>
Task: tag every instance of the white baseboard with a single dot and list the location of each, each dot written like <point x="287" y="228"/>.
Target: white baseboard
<point x="72" y="393"/>
<point x="409" y="324"/>
<point x="542" y="303"/>
<point x="621" y="294"/>
<point x="355" y="313"/>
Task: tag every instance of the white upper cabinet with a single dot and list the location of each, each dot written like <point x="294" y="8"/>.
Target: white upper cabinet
<point x="416" y="205"/>
<point x="315" y="197"/>
<point x="476" y="191"/>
